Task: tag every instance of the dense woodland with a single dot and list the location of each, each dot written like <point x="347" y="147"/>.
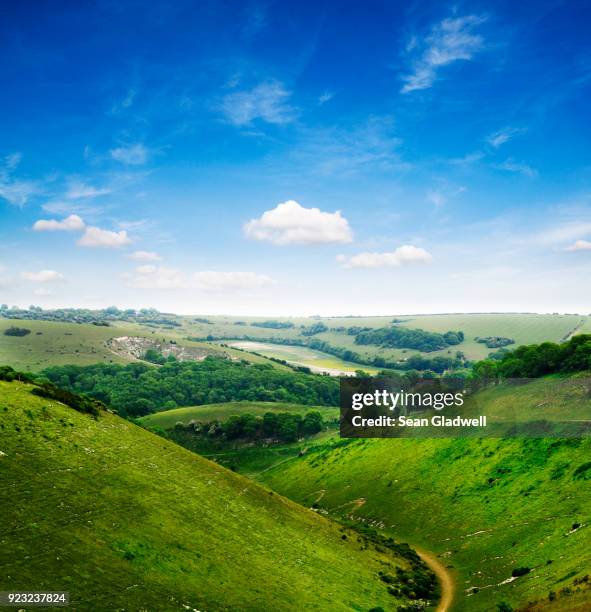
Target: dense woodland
<point x="138" y="389"/>
<point x="145" y="316"/>
<point x="535" y="360"/>
<point x="403" y="337"/>
<point x="283" y="426"/>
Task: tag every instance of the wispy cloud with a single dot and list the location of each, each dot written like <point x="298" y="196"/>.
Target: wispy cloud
<point x="43" y="276"/>
<point x="343" y="151"/>
<point x="496" y="139"/>
<point x="145" y="256"/>
<point x="449" y="41"/>
<point x="325" y="97"/>
<point x="268" y="101"/>
<point x="78" y="189"/>
<point x="520" y="168"/>
<point x="133" y="155"/>
<point x="15" y="191"/>
<point x="159" y="277"/>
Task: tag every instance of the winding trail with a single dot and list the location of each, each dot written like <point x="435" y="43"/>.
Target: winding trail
<point x="443" y="575"/>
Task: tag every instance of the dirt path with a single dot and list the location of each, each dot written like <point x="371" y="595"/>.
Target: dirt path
<point x="443" y="575"/>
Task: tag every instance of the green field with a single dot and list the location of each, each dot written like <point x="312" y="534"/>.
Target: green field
<point x="485" y="506"/>
<point x="53" y="344"/>
<point x="125" y="520"/>
<point x="528" y="328"/>
<point x="210" y="412"/>
<point x="317" y="361"/>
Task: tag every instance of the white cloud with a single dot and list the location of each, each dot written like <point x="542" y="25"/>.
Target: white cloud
<point x="325" y="97"/>
<point x="502" y="136"/>
<point x="291" y="223"/>
<point x="520" y="168"/>
<point x="267" y="101"/>
<point x="157" y="277"/>
<point x="79" y="189"/>
<point x="449" y="41"/>
<point x="403" y="255"/>
<point x="145" y="256"/>
<point x="96" y="237"/>
<point x="42" y="292"/>
<point x="43" y="276"/>
<point x="73" y="223"/>
<point x="160" y="277"/>
<point x="230" y="281"/>
<point x="15" y="191"/>
<point x="134" y="155"/>
<point x="436" y="198"/>
<point x="579" y="245"/>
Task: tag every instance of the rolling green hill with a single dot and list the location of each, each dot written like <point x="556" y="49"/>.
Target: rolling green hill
<point x="52" y="343"/>
<point x="487" y="507"/>
<point x="55" y="343"/>
<point x="123" y="519"/>
<point x="209" y="412"/>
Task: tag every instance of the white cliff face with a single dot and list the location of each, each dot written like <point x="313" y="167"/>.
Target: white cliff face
<point x="135" y="347"/>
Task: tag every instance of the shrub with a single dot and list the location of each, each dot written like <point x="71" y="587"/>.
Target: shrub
<point x="16" y="331"/>
<point x="520" y="571"/>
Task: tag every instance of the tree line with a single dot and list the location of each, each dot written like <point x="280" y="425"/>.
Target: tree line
<point x="138" y="389"/>
<point x="283" y="426"/>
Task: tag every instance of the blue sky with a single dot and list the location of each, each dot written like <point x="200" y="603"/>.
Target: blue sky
<point x="283" y="158"/>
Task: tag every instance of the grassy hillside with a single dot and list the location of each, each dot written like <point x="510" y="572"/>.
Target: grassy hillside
<point x="52" y="343"/>
<point x="123" y="519"/>
<point x="209" y="412"/>
<point x="486" y="506"/>
<point x="523" y="328"/>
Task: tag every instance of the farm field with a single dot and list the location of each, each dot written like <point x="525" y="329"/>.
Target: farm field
<point x="527" y="328"/>
<point x="317" y="361"/>
<point x="132" y="521"/>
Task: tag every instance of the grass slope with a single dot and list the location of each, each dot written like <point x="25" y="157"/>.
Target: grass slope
<point x="485" y="506"/>
<point x="123" y="519"/>
<point x="53" y="344"/>
<point x="209" y="412"/>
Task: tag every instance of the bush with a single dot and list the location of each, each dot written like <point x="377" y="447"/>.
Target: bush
<point x="520" y="571"/>
<point x="16" y="331"/>
<point x="78" y="402"/>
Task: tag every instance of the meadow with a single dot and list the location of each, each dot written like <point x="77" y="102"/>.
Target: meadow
<point x="485" y="507"/>
<point x="132" y="521"/>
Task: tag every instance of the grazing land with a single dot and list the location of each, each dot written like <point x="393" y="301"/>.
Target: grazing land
<point x="317" y="361"/>
<point x="132" y="521"/>
<point x="484" y="507"/>
<point x="54" y="342"/>
<point x="487" y="507"/>
<point x="169" y="418"/>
